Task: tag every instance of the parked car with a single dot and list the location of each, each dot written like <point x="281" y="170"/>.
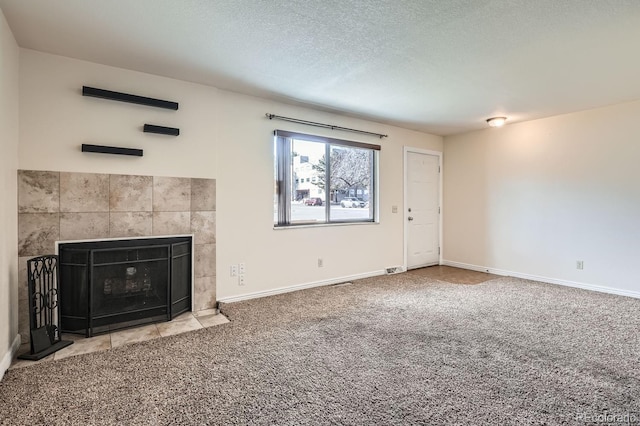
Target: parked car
<point x="352" y="202"/>
<point x="314" y="201"/>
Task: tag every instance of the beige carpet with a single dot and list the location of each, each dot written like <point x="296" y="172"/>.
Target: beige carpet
<point x="399" y="349"/>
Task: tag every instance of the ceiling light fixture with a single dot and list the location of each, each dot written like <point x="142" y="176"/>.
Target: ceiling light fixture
<point x="496" y="121"/>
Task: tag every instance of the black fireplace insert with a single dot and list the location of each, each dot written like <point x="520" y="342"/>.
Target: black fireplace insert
<point x="113" y="284"/>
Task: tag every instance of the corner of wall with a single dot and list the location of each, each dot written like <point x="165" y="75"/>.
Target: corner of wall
<point x="9" y="133"/>
<point x="5" y="363"/>
<point x="538" y="197"/>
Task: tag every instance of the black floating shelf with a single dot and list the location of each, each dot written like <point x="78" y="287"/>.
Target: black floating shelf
<point x="111" y="150"/>
<point x="152" y="128"/>
<point x="125" y="97"/>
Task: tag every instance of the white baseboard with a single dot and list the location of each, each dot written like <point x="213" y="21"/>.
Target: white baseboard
<point x="297" y="287"/>
<point x="8" y="357"/>
<point x="592" y="287"/>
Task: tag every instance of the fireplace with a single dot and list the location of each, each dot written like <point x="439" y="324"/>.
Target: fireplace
<point x="112" y="284"/>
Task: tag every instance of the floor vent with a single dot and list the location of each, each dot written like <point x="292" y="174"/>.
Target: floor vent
<point x="342" y="284"/>
<point x="394" y="270"/>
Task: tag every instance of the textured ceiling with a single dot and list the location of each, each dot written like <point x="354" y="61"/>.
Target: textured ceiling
<point x="440" y="66"/>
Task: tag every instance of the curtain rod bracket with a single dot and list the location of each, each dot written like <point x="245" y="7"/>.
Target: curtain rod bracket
<point x="326" y="126"/>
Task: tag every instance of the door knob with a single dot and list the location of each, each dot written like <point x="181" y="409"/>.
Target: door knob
<point x="409" y="218"/>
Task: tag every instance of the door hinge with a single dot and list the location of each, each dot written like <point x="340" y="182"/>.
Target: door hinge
<point x="438" y="210"/>
<point x="438" y="250"/>
<point x="438" y="169"/>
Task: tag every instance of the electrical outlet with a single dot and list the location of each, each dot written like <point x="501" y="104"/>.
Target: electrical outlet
<point x="579" y="264"/>
<point x="234" y="270"/>
<point x="241" y="280"/>
<point x="320" y="262"/>
<point x="241" y="268"/>
<point x="394" y="209"/>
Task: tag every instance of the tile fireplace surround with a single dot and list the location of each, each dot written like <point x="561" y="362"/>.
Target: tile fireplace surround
<point x="62" y="206"/>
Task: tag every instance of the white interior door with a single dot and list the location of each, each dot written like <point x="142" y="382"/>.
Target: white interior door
<point x="422" y="209"/>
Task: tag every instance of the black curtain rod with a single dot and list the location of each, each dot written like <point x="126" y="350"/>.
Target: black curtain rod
<point x="326" y="126"/>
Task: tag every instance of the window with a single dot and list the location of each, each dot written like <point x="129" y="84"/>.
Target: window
<point x="311" y="190"/>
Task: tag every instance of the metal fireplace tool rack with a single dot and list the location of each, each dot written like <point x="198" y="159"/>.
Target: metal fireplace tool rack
<point x="44" y="302"/>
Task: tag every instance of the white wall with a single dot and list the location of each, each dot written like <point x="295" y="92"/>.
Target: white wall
<point x="9" y="66"/>
<point x="56" y="119"/>
<point x="535" y="197"/>
<point x="285" y="257"/>
<point x="224" y="136"/>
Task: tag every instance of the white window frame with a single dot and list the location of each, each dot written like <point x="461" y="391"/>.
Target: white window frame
<point x="284" y="176"/>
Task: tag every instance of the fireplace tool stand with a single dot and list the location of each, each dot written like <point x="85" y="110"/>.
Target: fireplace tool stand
<point x="44" y="312"/>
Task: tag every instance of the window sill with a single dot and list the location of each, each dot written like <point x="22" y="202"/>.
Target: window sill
<point x="323" y="225"/>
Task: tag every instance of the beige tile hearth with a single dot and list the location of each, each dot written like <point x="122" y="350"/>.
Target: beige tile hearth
<point x="134" y="335"/>
<point x="189" y="321"/>
<point x="181" y="324"/>
<point x="212" y="320"/>
<point x="83" y="345"/>
<point x="18" y="363"/>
